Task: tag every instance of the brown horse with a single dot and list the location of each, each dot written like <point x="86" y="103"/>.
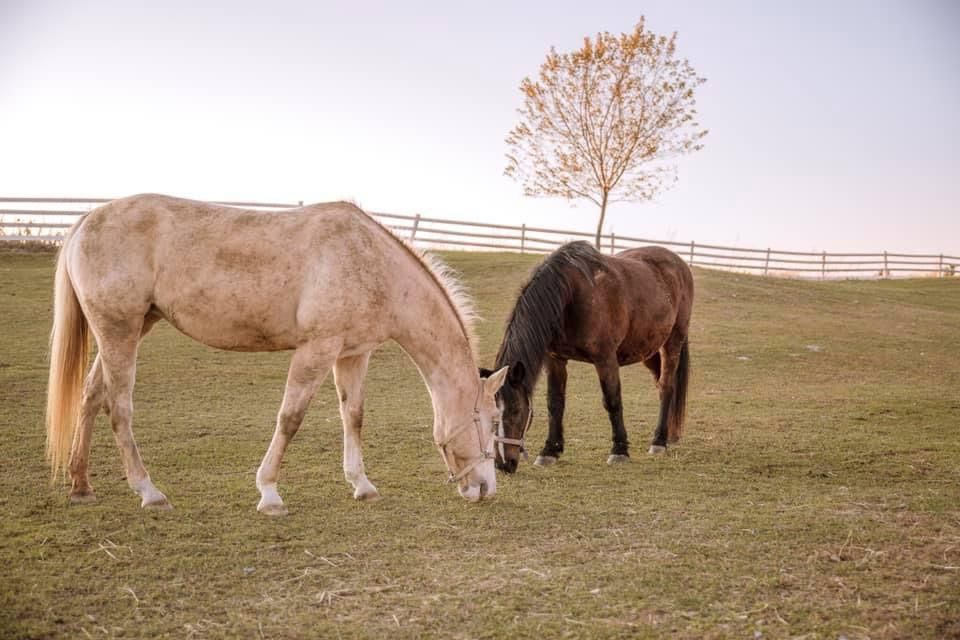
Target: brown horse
<point x="325" y="281"/>
<point x="609" y="311"/>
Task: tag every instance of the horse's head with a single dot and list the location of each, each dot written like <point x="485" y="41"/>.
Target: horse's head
<point x="467" y="449"/>
<point x="516" y="413"/>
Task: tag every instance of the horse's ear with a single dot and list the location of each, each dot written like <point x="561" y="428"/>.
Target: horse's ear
<point x="494" y="381"/>
<point x="517" y="373"/>
<point x="485" y="373"/>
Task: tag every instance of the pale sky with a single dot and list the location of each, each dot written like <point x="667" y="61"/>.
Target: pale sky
<point x="833" y="125"/>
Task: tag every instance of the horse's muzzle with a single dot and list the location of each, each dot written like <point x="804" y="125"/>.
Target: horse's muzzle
<point x="479" y="484"/>
<point x="476" y="493"/>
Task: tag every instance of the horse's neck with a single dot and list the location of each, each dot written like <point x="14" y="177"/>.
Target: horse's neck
<point x="535" y="323"/>
<point x="443" y="355"/>
<point x="451" y="377"/>
<point x="513" y="350"/>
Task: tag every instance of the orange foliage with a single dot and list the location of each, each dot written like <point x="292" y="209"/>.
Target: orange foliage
<point x="599" y="122"/>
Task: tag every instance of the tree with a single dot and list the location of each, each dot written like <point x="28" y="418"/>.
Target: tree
<point x="599" y="122"/>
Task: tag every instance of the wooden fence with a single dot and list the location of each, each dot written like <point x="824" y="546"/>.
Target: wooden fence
<point x="47" y="219"/>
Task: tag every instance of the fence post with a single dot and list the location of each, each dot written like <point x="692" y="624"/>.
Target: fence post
<point x="886" y="269"/>
<point x="766" y="263"/>
<point x="300" y="203"/>
<point x="823" y="267"/>
<point x="523" y="237"/>
<point x="613" y="243"/>
<point x="413" y="231"/>
<point x="691" y="252"/>
<point x="940" y="272"/>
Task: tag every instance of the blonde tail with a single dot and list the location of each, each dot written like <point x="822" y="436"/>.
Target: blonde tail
<point x="69" y="346"/>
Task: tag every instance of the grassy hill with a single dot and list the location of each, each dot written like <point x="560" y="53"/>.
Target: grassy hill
<point x="816" y="492"/>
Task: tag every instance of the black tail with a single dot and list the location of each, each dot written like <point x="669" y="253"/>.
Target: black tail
<point x="678" y="403"/>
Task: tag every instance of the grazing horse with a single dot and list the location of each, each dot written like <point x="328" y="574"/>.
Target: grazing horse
<point x="609" y="311"/>
<point x="325" y="281"/>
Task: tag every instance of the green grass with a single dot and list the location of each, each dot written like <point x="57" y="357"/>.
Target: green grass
<point x="816" y="492"/>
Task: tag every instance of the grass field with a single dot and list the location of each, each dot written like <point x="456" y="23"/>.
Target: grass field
<point x="816" y="493"/>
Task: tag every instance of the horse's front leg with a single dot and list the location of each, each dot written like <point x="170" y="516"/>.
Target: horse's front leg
<point x="349" y="375"/>
<point x="609" y="373"/>
<point x="556" y="402"/>
<point x="309" y="367"/>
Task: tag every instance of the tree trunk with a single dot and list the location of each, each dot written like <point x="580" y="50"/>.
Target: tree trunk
<point x="603" y="213"/>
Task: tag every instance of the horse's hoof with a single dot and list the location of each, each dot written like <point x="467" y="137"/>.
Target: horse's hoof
<point x="87" y="497"/>
<point x="545" y="461"/>
<point x="656" y="449"/>
<point x="158" y="505"/>
<point x="272" y="509"/>
<point x="618" y="458"/>
<point x="367" y="496"/>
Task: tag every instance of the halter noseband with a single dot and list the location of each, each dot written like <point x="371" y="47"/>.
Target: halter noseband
<point x="502" y="440"/>
<point x="485" y="454"/>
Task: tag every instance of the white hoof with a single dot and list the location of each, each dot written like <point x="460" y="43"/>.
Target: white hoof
<point x="271" y="504"/>
<point x="545" y="461"/>
<point x="367" y="493"/>
<point x="656" y="449"/>
<point x="159" y="503"/>
<point x="150" y="496"/>
<point x="272" y="508"/>
<point x="617" y="458"/>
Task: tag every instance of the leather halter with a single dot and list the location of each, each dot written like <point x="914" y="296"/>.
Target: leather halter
<point x="502" y="440"/>
<point x="485" y="454"/>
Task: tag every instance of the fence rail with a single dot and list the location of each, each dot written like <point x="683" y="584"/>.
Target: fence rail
<point x="47" y="219"/>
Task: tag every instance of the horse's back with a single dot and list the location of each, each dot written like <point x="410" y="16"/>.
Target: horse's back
<point x="157" y="240"/>
<point x="190" y="225"/>
<point x="228" y="277"/>
<point x="650" y="289"/>
<point x="648" y="265"/>
<point x="661" y="259"/>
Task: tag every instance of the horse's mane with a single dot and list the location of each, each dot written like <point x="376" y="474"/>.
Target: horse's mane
<point x="537" y="316"/>
<point x="456" y="292"/>
<point x="446" y="278"/>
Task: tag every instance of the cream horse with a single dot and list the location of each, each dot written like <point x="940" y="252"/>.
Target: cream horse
<point x="326" y="281"/>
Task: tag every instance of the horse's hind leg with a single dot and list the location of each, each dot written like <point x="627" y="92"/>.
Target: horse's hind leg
<point x="672" y="386"/>
<point x="94" y="395"/>
<point x="309" y="367"/>
<point x="556" y="402"/>
<point x="349" y="374"/>
<point x="653" y="364"/>
<point x="93" y="400"/>
<point x="118" y="358"/>
<point x="609" y="373"/>
<point x="659" y="444"/>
